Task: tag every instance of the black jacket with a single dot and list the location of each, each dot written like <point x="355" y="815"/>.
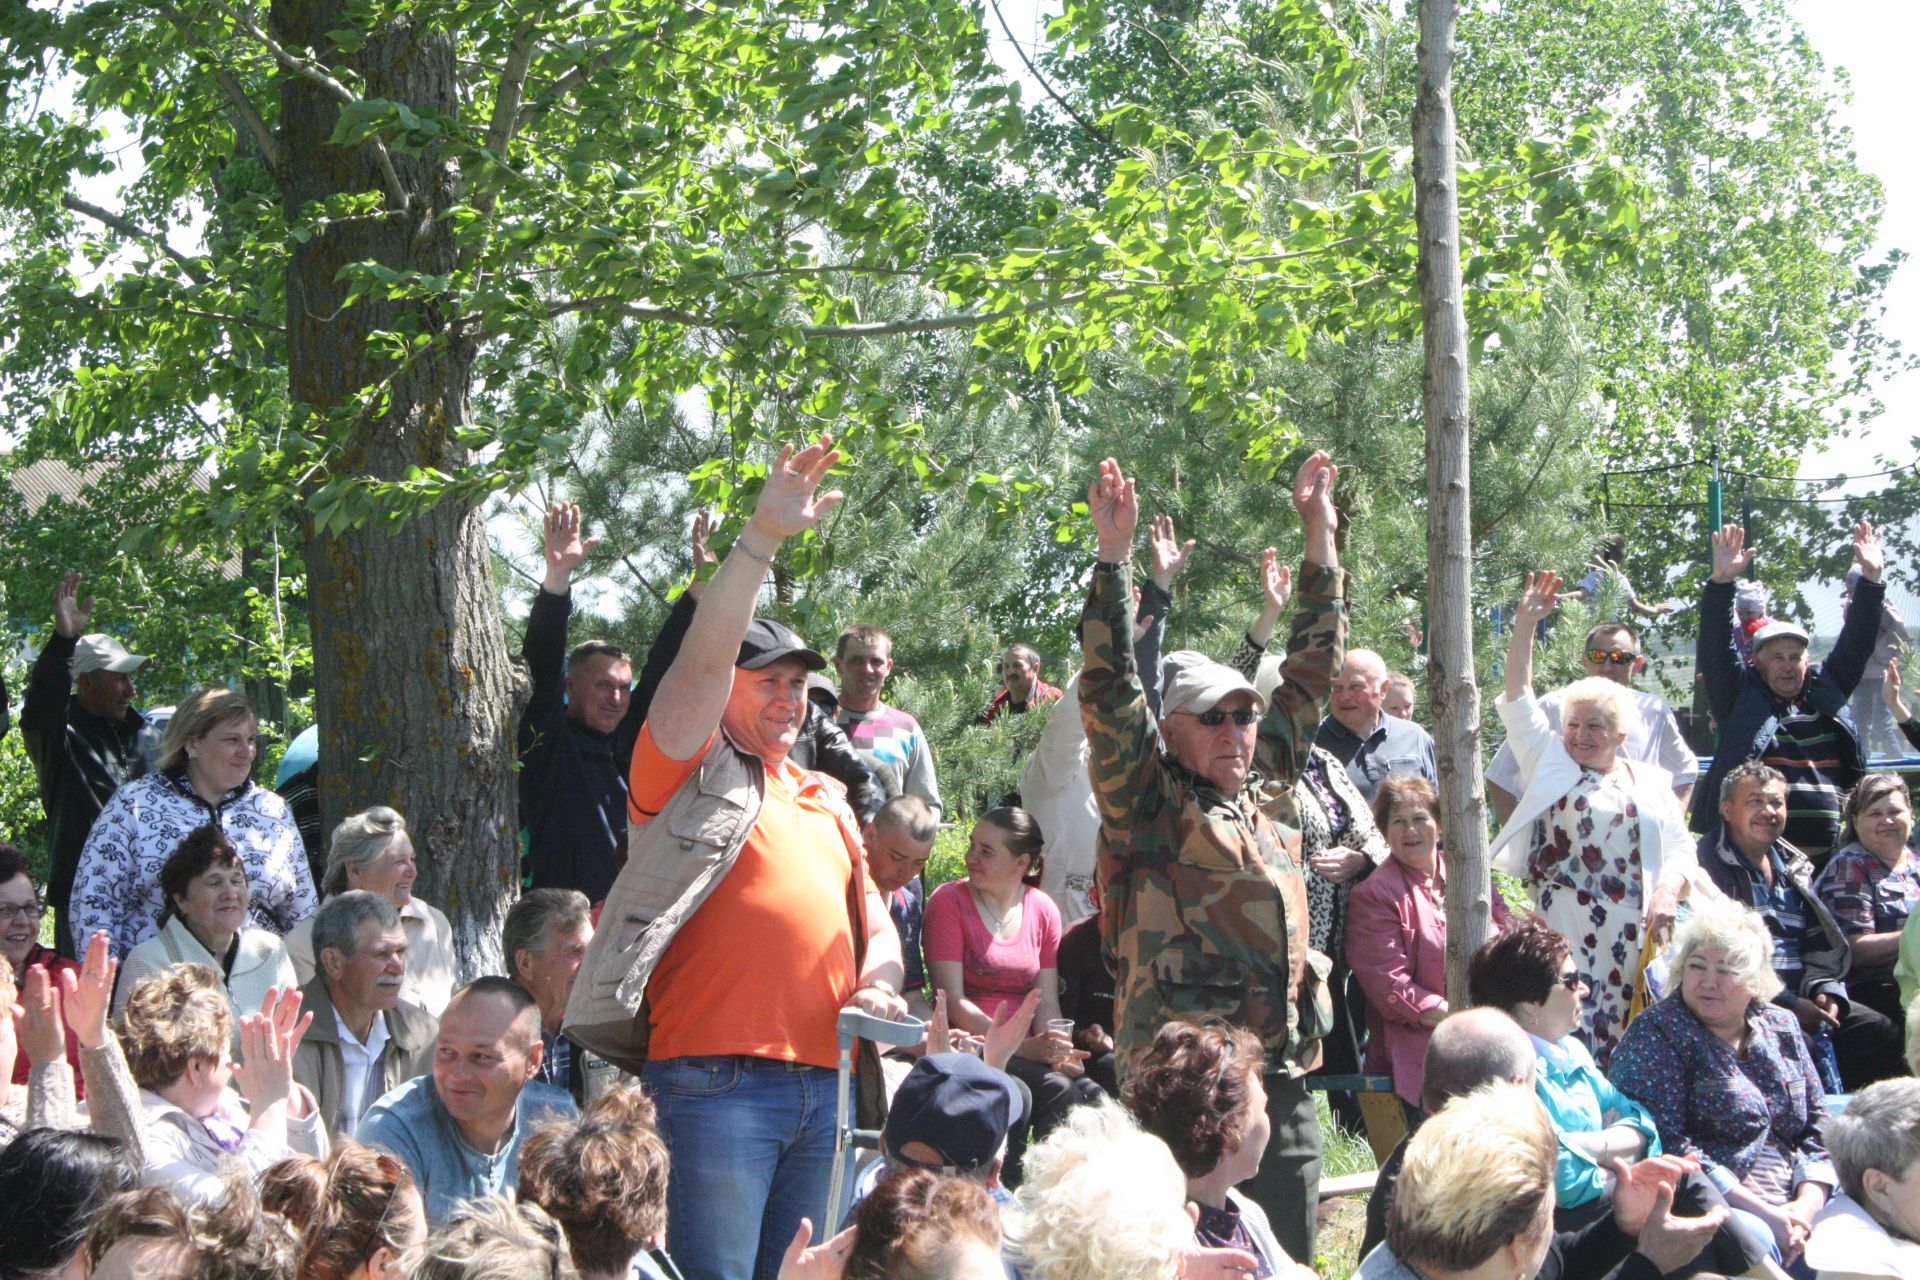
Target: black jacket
<point x="573" y="782"/>
<point x="80" y="759"/>
<point x="822" y="746"/>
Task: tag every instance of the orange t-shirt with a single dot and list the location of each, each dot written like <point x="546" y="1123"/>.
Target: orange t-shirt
<point x="767" y="962"/>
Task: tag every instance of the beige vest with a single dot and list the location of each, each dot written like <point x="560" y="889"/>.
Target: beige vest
<point x="673" y="864"/>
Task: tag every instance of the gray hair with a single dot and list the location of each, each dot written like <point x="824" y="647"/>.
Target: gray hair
<point x="536" y="915"/>
<point x="492" y="1238"/>
<point x="360" y="841"/>
<point x="337" y="924"/>
<point x="1880" y="1129"/>
<point x="910" y="814"/>
<point x="1720" y="924"/>
<point x="1766" y="773"/>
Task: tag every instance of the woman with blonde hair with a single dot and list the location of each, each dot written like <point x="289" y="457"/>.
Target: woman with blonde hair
<point x="1728" y="1079"/>
<point x="1598" y="838"/>
<point x="372" y="850"/>
<point x="204" y="777"/>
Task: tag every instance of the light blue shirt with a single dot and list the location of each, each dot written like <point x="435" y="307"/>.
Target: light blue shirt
<point x="1579" y="1099"/>
<point x="411" y="1123"/>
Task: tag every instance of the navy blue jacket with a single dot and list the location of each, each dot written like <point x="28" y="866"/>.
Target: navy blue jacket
<point x="1747" y="711"/>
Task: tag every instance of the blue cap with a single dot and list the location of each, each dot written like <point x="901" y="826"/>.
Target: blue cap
<point x="959" y="1106"/>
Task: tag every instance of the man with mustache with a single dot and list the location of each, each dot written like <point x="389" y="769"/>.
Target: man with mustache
<point x="365" y="1040"/>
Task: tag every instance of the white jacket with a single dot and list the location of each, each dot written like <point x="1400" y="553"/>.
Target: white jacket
<point x="1055" y="789"/>
<point x="260" y="963"/>
<point x="1666" y="846"/>
<point x="117" y="887"/>
<point x="182" y="1155"/>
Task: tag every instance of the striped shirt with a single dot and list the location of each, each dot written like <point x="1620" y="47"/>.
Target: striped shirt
<point x="1784" y="910"/>
<point x="1806" y="750"/>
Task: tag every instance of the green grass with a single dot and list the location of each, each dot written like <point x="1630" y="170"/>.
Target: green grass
<point x="1342" y="1222"/>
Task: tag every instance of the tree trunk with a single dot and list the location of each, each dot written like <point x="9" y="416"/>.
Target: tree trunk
<point x="1444" y="395"/>
<point x="415" y="691"/>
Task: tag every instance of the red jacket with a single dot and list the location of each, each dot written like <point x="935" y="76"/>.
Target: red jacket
<point x="55" y="964"/>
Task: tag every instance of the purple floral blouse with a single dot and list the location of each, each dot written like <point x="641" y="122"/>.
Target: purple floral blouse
<point x="1757" y="1113"/>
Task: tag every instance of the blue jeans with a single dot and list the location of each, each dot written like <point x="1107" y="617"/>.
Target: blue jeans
<point x="752" y="1147"/>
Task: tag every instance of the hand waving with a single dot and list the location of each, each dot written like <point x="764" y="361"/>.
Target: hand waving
<point x="43" y="1032"/>
<point x="1537" y="599"/>
<point x="704" y="523"/>
<point x="1276" y="582"/>
<point x="89" y="992"/>
<point x="1169" y="553"/>
<point x="1731" y="555"/>
<point x="70" y="613"/>
<point x="1868" y="553"/>
<point x="1313" y="491"/>
<point x="565" y="550"/>
<point x="788" y="504"/>
<point x="1890" y="692"/>
<point x="1009" y="1031"/>
<point x="1115" y="510"/>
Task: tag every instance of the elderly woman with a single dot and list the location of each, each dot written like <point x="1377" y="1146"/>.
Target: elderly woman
<point x="21" y="911"/>
<point x="1727" y="1077"/>
<point x="603" y="1178"/>
<point x="372" y="851"/>
<point x="1198" y="1089"/>
<point x="992" y="938"/>
<point x="203" y="777"/>
<point x="1598" y="839"/>
<point x="177" y="1029"/>
<point x="205" y="922"/>
<point x="1474" y="1197"/>
<point x="1870" y="887"/>
<point x="1873" y="1228"/>
<point x="1397" y="936"/>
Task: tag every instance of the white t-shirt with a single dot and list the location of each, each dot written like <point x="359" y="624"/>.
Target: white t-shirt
<point x="1653" y="735"/>
<point x="358" y="1063"/>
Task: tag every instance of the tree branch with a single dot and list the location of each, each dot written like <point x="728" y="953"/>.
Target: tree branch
<point x="133" y="231"/>
<point x="513" y="80"/>
<point x="249" y="117"/>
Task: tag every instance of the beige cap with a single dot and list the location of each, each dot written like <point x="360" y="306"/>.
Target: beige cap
<point x="1194" y="682"/>
<point x="99" y="652"/>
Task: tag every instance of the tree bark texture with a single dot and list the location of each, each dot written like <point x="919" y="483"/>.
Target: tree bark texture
<point x="415" y="691"/>
<point x="1444" y="396"/>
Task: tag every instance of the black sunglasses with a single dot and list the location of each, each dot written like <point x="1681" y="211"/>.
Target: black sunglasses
<point x="1216" y="717"/>
<point x="1616" y="657"/>
<point x="1571" y="981"/>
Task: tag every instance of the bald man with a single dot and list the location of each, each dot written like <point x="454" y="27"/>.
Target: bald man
<point x="1363" y="737"/>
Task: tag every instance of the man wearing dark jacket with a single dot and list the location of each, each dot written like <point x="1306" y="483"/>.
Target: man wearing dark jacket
<point x="1780" y="710"/>
<point x="573" y="789"/>
<point x="82" y="734"/>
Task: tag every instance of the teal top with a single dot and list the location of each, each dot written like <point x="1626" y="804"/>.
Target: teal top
<point x="1580" y="1099"/>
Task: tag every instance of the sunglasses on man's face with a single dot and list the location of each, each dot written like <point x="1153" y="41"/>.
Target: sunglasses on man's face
<point x="1613" y="657"/>
<point x="1215" y="718"/>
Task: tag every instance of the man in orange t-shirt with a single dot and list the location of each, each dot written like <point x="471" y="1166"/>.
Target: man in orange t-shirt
<point x="743" y="1002"/>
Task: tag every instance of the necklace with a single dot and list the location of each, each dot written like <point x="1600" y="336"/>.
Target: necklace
<point x="996" y="920"/>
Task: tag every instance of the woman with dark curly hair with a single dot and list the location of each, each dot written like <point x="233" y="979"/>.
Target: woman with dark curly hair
<point x="919" y="1225"/>
<point x="1198" y="1089"/>
<point x="603" y="1178"/>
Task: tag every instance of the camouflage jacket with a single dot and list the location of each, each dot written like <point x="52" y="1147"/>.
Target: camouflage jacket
<point x="1205" y="909"/>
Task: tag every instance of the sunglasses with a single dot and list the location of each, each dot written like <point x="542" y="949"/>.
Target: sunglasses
<point x="1571" y="981"/>
<point x="1215" y="718"/>
<point x="1615" y="657"/>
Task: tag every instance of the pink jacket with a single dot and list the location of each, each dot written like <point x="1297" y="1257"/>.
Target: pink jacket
<point x="1397" y="949"/>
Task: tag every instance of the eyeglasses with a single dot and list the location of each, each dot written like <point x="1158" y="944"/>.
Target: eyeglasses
<point x="1571" y="981"/>
<point x="1215" y="718"/>
<point x="1612" y="657"/>
<point x="27" y="910"/>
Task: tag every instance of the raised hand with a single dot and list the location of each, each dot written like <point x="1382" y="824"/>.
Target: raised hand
<point x="1276" y="582"/>
<point x="88" y="993"/>
<point x="1890" y="691"/>
<point x="1009" y="1031"/>
<point x="1169" y="553"/>
<point x="704" y="524"/>
<point x="1115" y="510"/>
<point x="43" y="1032"/>
<point x="1537" y="599"/>
<point x="826" y="1262"/>
<point x="267" y="1043"/>
<point x="1731" y="555"/>
<point x="1868" y="553"/>
<point x="564" y="548"/>
<point x="788" y="504"/>
<point x="1313" y="491"/>
<point x="70" y="613"/>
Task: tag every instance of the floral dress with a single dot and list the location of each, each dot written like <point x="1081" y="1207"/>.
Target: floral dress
<point x="1584" y="874"/>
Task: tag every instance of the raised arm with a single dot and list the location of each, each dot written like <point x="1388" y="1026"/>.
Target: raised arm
<point x="1537" y="600"/>
<point x="1318" y="643"/>
<point x="692" y="695"/>
<point x="43" y="717"/>
<point x="1860" y="632"/>
<point x="1714" y="654"/>
<point x="545" y="644"/>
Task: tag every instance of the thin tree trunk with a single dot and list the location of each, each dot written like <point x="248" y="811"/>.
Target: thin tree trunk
<point x="416" y="694"/>
<point x="1443" y="392"/>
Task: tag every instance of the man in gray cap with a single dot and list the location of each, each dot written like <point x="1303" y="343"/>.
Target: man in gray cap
<point x="1783" y="710"/>
<point x="82" y="734"/>
<point x="743" y="921"/>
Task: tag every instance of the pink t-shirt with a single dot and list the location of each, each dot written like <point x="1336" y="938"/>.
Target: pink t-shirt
<point x="995" y="974"/>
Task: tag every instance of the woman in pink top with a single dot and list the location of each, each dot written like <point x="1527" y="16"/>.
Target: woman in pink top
<point x="992" y="938"/>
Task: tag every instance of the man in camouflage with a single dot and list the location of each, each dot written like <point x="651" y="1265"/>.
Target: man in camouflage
<point x="1205" y="906"/>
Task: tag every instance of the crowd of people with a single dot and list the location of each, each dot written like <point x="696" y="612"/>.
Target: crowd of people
<point x="249" y="1053"/>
